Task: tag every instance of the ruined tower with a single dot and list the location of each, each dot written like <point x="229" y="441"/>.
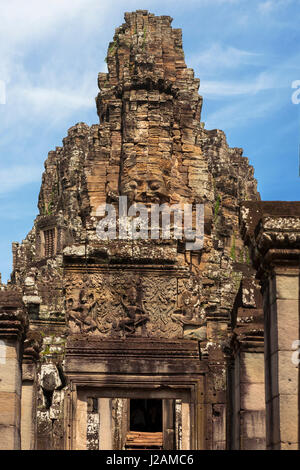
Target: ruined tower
<point x="141" y="325"/>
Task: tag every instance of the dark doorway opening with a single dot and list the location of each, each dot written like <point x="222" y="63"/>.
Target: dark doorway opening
<point x="146" y="415"/>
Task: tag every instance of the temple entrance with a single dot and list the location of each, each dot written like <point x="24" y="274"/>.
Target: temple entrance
<point x="112" y="409"/>
<point x="125" y="423"/>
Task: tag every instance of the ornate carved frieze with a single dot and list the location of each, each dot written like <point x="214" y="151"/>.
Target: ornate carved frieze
<point x="122" y="304"/>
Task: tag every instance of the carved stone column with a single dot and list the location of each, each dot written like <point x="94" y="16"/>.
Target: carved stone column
<point x="32" y="346"/>
<point x="13" y="324"/>
<point x="273" y="232"/>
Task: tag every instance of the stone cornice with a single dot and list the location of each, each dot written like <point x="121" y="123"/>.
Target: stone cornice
<point x="278" y="232"/>
<point x="13" y="319"/>
<point x="273" y="237"/>
<point x="13" y="323"/>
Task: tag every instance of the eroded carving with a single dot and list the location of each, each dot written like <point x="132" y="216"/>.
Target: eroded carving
<point x="81" y="314"/>
<point x="135" y="313"/>
<point x="118" y="304"/>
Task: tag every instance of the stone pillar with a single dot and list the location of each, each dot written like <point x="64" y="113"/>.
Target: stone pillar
<point x="168" y="424"/>
<point x="273" y="232"/>
<point x="105" y="411"/>
<point x="12" y="327"/>
<point x="282" y="391"/>
<point x="246" y="383"/>
<point x="32" y="346"/>
<point x="252" y="397"/>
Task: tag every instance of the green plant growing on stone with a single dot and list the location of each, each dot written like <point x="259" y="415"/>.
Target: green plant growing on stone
<point x="144" y="39"/>
<point x="247" y="256"/>
<point x="217" y="206"/>
<point x="46" y="351"/>
<point x="233" y="250"/>
<point x="111" y="50"/>
<point x="49" y="208"/>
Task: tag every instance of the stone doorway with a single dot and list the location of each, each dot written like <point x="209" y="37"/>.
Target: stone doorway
<point x="110" y="380"/>
<point x="131" y="424"/>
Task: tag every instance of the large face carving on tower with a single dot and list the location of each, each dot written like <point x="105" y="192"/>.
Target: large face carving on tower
<point x="145" y="184"/>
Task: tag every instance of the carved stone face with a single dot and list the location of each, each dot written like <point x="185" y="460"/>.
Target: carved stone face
<point x="132" y="295"/>
<point x="82" y="297"/>
<point x="85" y="298"/>
<point x="145" y="186"/>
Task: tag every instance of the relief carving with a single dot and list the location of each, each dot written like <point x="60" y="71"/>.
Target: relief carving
<point x="135" y="313"/>
<point x="81" y="314"/>
<point x="120" y="305"/>
<point x="188" y="313"/>
<point x="154" y="187"/>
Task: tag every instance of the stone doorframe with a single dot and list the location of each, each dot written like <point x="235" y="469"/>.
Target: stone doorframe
<point x="168" y="370"/>
<point x="190" y="392"/>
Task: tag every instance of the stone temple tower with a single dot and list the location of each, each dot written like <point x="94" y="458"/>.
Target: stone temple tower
<point x="140" y="337"/>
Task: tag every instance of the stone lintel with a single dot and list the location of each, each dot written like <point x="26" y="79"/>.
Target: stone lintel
<point x="137" y="354"/>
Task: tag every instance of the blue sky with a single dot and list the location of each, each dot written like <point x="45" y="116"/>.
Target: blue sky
<point x="246" y="54"/>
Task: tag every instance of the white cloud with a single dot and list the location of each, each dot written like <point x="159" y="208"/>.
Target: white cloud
<point x="51" y="52"/>
<point x="53" y="101"/>
<point x="218" y="57"/>
<point x="269" y="6"/>
<point x="217" y="89"/>
<point x="277" y="76"/>
<point x="266" y="7"/>
<point x="263" y="81"/>
<point x="14" y="177"/>
<point x="33" y="18"/>
<point x="238" y="113"/>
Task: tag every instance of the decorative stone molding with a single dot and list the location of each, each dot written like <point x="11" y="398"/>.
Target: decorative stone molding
<point x="272" y="231"/>
<point x="13" y="319"/>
